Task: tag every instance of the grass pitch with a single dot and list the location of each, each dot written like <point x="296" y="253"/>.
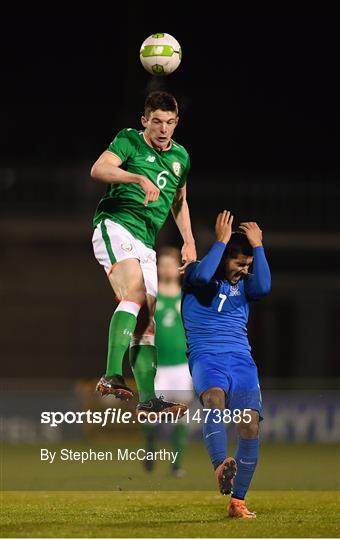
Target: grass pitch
<point x="191" y="514"/>
<point x="294" y="492"/>
<point x="282" y="467"/>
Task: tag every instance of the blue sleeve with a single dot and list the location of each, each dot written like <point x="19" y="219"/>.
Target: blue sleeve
<point x="259" y="282"/>
<point x="201" y="273"/>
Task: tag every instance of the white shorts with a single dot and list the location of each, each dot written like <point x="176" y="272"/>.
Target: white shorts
<point x="113" y="243"/>
<point x="174" y="383"/>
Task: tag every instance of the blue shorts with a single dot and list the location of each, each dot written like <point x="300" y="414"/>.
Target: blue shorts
<point x="235" y="373"/>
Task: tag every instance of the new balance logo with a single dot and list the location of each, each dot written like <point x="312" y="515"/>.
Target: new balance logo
<point x="151" y="159"/>
<point x="148" y="405"/>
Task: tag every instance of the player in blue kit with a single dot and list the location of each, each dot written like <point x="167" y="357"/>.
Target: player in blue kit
<point x="215" y="307"/>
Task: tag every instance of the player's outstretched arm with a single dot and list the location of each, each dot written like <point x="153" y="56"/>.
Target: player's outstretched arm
<point x="181" y="214"/>
<point x="260" y="282"/>
<point x="107" y="169"/>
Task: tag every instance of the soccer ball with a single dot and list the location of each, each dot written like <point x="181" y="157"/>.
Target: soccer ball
<point x="160" y="54"/>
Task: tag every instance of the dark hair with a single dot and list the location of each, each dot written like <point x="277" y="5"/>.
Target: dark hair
<point x="238" y="244"/>
<point x="160" y="100"/>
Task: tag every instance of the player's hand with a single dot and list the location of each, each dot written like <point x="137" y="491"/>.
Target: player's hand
<point x="151" y="191"/>
<point x="223" y="226"/>
<point x="189" y="255"/>
<point x="253" y="233"/>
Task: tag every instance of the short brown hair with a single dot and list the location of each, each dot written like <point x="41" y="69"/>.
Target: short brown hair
<point x="160" y="100"/>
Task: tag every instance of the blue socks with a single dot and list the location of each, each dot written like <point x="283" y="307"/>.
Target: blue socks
<point x="215" y="438"/>
<point x="246" y="458"/>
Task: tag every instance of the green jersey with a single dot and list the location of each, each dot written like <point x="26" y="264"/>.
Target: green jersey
<point x="170" y="337"/>
<point x="123" y="203"/>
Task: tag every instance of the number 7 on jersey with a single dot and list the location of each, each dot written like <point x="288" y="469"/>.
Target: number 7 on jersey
<point x="223" y="299"/>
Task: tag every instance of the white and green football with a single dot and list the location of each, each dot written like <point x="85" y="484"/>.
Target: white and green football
<point x="160" y="54"/>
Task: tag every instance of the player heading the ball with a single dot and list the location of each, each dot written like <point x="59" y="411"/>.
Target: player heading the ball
<point x="146" y="176"/>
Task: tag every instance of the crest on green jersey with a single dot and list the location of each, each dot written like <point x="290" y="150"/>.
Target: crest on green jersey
<point x="176" y="168"/>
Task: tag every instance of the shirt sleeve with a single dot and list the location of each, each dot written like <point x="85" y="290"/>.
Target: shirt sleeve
<point x="201" y="273"/>
<point x="259" y="283"/>
<point x="122" y="145"/>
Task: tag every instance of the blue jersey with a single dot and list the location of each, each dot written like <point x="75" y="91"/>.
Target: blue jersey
<point x="215" y="313"/>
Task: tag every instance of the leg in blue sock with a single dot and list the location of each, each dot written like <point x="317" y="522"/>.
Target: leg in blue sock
<point x="246" y="456"/>
<point x="215" y="439"/>
<point x="246" y="459"/>
<point x="214" y="431"/>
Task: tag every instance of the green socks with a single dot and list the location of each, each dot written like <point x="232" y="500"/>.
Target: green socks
<point x="121" y="329"/>
<point x="150" y="432"/>
<point x="179" y="436"/>
<point x="143" y="360"/>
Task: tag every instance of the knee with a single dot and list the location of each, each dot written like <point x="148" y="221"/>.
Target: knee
<point x="136" y="294"/>
<point x="214" y="398"/>
<point x="249" y="430"/>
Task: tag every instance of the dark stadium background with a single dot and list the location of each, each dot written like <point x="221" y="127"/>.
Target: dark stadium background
<point x="258" y="94"/>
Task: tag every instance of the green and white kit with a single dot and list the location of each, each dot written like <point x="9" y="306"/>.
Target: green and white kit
<point x="123" y="205"/>
<point x="173" y="378"/>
